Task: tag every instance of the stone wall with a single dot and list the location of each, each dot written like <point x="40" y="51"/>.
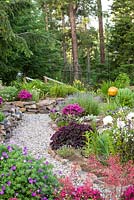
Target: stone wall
<point x="14" y="111"/>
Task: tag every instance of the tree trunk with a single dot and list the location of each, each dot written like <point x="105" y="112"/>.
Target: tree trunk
<point x="64" y="47"/>
<point x="101" y="33"/>
<point x="72" y="13"/>
<point x="88" y="65"/>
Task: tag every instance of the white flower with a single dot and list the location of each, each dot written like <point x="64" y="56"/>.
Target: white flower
<point x="120" y="123"/>
<point x="107" y="120"/>
<point x="130" y="116"/>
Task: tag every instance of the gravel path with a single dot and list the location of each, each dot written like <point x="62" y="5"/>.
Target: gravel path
<point x="34" y="133"/>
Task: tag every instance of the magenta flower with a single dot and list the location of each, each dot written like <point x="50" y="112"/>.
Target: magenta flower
<point x="31" y="181"/>
<point x="1" y="100"/>
<point x="24" y="94"/>
<point x="72" y="109"/>
<point x="34" y="194"/>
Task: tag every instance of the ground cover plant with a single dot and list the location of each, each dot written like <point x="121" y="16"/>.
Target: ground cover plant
<point x="23" y="177"/>
<point x="70" y="135"/>
<point x="9" y="93"/>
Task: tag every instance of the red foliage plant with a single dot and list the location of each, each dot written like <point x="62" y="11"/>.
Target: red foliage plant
<point x="114" y="174"/>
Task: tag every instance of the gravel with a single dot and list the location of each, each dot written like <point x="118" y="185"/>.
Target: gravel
<point x="34" y="132"/>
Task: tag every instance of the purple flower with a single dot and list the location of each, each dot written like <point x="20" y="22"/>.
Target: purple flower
<point x="13" y="168"/>
<point x="24" y="94"/>
<point x="1" y="100"/>
<point x="25" y="150"/>
<point x="34" y="194"/>
<point x="9" y="183"/>
<point x="4" y="154"/>
<point x="3" y="188"/>
<point x="44" y="198"/>
<point x="1" y="192"/>
<point x="45" y="177"/>
<point x="31" y="181"/>
<point x="46" y="163"/>
<point x="9" y="148"/>
<point x="40" y="170"/>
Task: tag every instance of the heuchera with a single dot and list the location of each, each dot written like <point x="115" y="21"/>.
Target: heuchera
<point x="1" y="100"/>
<point x="24" y="94"/>
<point x="72" y="109"/>
<point x="71" y="135"/>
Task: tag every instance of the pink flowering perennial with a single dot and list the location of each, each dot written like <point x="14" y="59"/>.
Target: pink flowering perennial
<point x="24" y="94"/>
<point x="72" y="109"/>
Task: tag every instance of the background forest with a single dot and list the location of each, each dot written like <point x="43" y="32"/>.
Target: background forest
<point x="55" y="38"/>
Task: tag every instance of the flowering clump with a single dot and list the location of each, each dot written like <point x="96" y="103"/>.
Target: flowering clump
<point x="23" y="177"/>
<point x="85" y="192"/>
<point x="24" y="94"/>
<point x="128" y="193"/>
<point x="1" y="100"/>
<point x="72" y="109"/>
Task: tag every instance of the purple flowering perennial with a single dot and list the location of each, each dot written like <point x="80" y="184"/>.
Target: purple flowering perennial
<point x="24" y="94"/>
<point x="72" y="109"/>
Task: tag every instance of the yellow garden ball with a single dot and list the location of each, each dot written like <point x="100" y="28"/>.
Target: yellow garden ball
<point x="112" y="91"/>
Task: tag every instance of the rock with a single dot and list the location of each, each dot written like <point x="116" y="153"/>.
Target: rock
<point x="46" y="102"/>
<point x="28" y="103"/>
<point x="33" y="106"/>
<point x="23" y="110"/>
<point x="19" y="104"/>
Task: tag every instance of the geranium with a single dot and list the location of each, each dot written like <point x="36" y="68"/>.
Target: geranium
<point x="72" y="109"/>
<point x="24" y="94"/>
<point x="1" y="100"/>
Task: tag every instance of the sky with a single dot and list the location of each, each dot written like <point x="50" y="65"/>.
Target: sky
<point x="105" y="7"/>
<point x="106" y="4"/>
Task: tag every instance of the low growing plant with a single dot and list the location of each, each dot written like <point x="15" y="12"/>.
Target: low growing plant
<point x="125" y="97"/>
<point x="65" y="151"/>
<point x="62" y="90"/>
<point x="23" y="177"/>
<point x="9" y="93"/>
<point x="2" y="116"/>
<point x="86" y="101"/>
<point x="71" y="135"/>
<point x="84" y="192"/>
<point x="72" y="109"/>
<point x="24" y="95"/>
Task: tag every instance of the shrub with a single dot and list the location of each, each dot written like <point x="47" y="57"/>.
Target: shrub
<point x="9" y="93"/>
<point x="62" y="90"/>
<point x="122" y="80"/>
<point x="72" y="109"/>
<point x="41" y="87"/>
<point x="86" y="101"/>
<point x="24" y="95"/>
<point x="2" y="116"/>
<point x="71" y="135"/>
<point x="125" y="97"/>
<point x="24" y="177"/>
